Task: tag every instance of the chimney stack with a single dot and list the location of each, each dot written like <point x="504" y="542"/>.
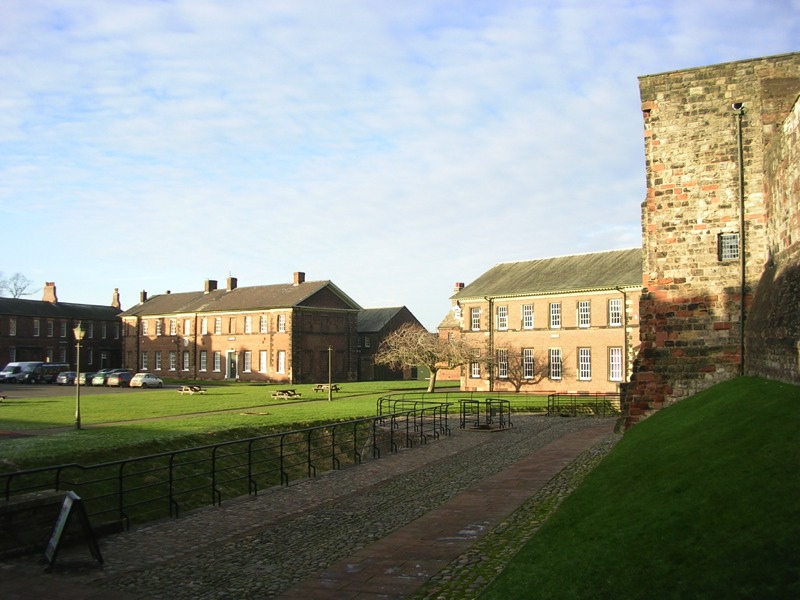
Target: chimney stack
<point x="115" y="303"/>
<point x="142" y="297"/>
<point x="459" y="287"/>
<point x="232" y="283"/>
<point x="299" y="277"/>
<point x="211" y="285"/>
<point x="50" y="293"/>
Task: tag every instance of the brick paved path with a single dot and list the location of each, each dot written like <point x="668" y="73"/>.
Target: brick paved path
<point x="378" y="530"/>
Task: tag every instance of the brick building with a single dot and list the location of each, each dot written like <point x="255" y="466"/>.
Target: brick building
<point x="41" y="330"/>
<point x="720" y="229"/>
<point x="270" y="333"/>
<point x="374" y="324"/>
<point x="573" y="317"/>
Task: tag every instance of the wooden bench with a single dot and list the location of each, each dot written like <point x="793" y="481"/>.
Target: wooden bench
<point x="323" y="387"/>
<point x="191" y="389"/>
<point x="285" y="394"/>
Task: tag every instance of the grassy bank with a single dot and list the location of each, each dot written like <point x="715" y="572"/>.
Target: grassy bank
<point x="699" y="501"/>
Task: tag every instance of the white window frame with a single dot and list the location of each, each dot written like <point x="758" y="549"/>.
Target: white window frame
<point x="556" y="363"/>
<point x="615" y="370"/>
<point x="584" y="313"/>
<point x="37" y="328"/>
<point x="248" y="324"/>
<point x="475" y="370"/>
<point x="281" y="361"/>
<point x="475" y="319"/>
<point x="527" y="316"/>
<point x="145" y="326"/>
<point x="584" y="364"/>
<point x="173" y="326"/>
<point x="217" y="358"/>
<point x="555" y="315"/>
<point x="728" y="246"/>
<point x="204" y="326"/>
<point x="50" y="328"/>
<point x="502" y="318"/>
<point x="157" y="360"/>
<point x="248" y="361"/>
<point x="12" y="329"/>
<point x="145" y="361"/>
<point x="173" y="360"/>
<point x="186" y="363"/>
<point x="281" y="326"/>
<point x="103" y="330"/>
<point x="615" y="312"/>
<point x="63" y="329"/>
<point x="203" y="360"/>
<point x="187" y="327"/>
<point x="159" y="327"/>
<point x="263" y="361"/>
<point x="263" y="325"/>
<point x="502" y="363"/>
<point x="528" y="363"/>
<point x="217" y="325"/>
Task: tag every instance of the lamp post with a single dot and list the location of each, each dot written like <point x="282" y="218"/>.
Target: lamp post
<point x="330" y="375"/>
<point x="79" y="333"/>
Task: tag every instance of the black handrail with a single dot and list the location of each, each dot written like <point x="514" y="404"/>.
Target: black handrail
<point x="166" y="483"/>
<point x="584" y="403"/>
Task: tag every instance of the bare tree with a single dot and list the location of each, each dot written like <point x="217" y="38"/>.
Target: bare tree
<point x="16" y="286"/>
<point x="412" y="346"/>
<point x="517" y="366"/>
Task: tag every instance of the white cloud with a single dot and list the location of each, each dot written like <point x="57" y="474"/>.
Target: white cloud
<point x="393" y="147"/>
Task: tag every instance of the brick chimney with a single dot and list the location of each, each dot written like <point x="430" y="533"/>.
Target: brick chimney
<point x="115" y="303"/>
<point x="210" y="286"/>
<point x="142" y="297"/>
<point x="459" y="286"/>
<point x="50" y="293"/>
<point x="299" y="277"/>
<point x="232" y="283"/>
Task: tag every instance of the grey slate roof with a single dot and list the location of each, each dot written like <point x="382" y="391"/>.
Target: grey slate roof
<point x="578" y="272"/>
<point x="371" y="320"/>
<point x="60" y="310"/>
<point x="242" y="298"/>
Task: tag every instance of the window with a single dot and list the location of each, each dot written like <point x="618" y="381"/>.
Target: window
<point x="49" y="357"/>
<point x="145" y="326"/>
<point x="217" y="325"/>
<point x="248" y="361"/>
<point x="262" y="325"/>
<point x="281" y="361"/>
<point x="475" y="370"/>
<point x="144" y="360"/>
<point x="90" y="330"/>
<point x="157" y="360"/>
<point x="173" y="360"/>
<point x="159" y="327"/>
<point x="475" y="319"/>
<point x="186" y="360"/>
<point x="728" y="246"/>
<point x="584" y="313"/>
<point x="116" y="331"/>
<point x="367" y="341"/>
<point x="187" y="327"/>
<point x="527" y="363"/>
<point x="50" y="329"/>
<point x="282" y="324"/>
<point x="584" y="364"/>
<point x="263" y="361"/>
<point x="555" y="363"/>
<point x="63" y="330"/>
<point x="527" y="316"/>
<point x="36" y="327"/>
<point x="615" y="364"/>
<point x="555" y="315"/>
<point x="12" y="329"/>
<point x="203" y="360"/>
<point x="173" y="326"/>
<point x="12" y="355"/>
<point x="103" y="330"/>
<point x="62" y="355"/>
<point x="90" y="356"/>
<point x="248" y="324"/>
<point x="502" y="363"/>
<point x="502" y="318"/>
<point x="204" y="326"/>
<point x="615" y="312"/>
<point x="217" y="362"/>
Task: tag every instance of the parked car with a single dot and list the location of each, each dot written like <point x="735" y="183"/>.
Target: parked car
<point x="145" y="380"/>
<point x="99" y="378"/>
<point x="119" y="378"/>
<point x="86" y="378"/>
<point x="66" y="378"/>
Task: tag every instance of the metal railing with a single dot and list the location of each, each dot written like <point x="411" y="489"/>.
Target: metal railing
<point x="601" y="404"/>
<point x="165" y="484"/>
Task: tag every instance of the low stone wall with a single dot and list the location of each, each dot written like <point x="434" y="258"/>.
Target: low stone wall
<point x="27" y="521"/>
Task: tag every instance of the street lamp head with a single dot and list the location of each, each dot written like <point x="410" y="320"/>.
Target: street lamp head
<point x="79" y="331"/>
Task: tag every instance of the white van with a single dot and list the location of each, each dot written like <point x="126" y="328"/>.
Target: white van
<point x="18" y="372"/>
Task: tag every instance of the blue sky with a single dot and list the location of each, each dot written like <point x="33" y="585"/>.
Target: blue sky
<point x="391" y="147"/>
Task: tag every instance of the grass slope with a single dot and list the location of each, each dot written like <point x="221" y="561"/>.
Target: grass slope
<point x="702" y="500"/>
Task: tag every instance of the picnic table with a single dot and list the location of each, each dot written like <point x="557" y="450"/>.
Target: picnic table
<point x="285" y="394"/>
<point x="191" y="389"/>
<point x="323" y="387"/>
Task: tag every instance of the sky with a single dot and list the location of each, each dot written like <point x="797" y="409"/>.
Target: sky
<point x="394" y="148"/>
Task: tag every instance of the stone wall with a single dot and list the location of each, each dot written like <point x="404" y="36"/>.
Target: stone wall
<point x="702" y="183"/>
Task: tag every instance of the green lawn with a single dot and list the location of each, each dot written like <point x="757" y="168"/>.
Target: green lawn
<point x="702" y="500"/>
<point x="140" y="422"/>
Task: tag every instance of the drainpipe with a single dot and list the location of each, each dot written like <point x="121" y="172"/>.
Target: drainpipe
<point x="490" y="300"/>
<point x="738" y="109"/>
